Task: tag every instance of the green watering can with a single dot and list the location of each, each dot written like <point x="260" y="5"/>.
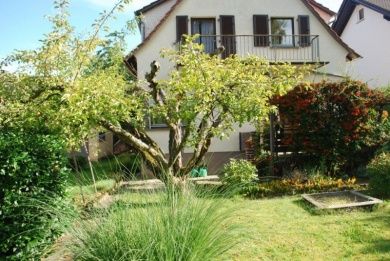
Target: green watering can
<point x="199" y="172"/>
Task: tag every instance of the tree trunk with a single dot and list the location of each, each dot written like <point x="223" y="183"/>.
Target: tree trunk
<point x="90" y="167"/>
<point x="78" y="174"/>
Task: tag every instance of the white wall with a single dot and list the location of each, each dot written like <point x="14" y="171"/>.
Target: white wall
<point x="154" y="16"/>
<point x="330" y="50"/>
<point x="371" y="39"/>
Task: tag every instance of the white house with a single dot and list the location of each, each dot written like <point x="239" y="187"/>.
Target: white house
<point x="278" y="30"/>
<point x="365" y="25"/>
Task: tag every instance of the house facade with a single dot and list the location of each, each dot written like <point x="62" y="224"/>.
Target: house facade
<point x="277" y="30"/>
<point x="365" y="25"/>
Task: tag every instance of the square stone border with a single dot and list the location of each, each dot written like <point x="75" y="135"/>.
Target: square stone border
<point x="369" y="201"/>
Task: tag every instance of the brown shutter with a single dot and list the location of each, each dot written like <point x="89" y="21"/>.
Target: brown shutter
<point x="181" y="27"/>
<point x="228" y="38"/>
<point x="261" y="27"/>
<point x="304" y="30"/>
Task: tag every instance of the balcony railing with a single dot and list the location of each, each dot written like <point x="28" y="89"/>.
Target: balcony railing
<point x="275" y="48"/>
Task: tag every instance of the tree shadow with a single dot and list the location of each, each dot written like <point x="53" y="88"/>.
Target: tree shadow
<point x="312" y="210"/>
<point x="379" y="245"/>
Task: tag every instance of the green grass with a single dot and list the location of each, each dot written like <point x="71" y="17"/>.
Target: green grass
<point x="116" y="167"/>
<point x="289" y="229"/>
<point x="159" y="226"/>
<point x="107" y="173"/>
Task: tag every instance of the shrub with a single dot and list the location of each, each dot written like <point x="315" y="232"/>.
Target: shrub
<point x="294" y="186"/>
<point x="379" y="172"/>
<point x="239" y="172"/>
<point x="32" y="165"/>
<point x="158" y="227"/>
<point x="341" y="124"/>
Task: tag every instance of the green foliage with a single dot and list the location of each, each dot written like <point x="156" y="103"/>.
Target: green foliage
<point x="121" y="167"/>
<point x="66" y="63"/>
<point x="379" y="173"/>
<point x="157" y="227"/>
<point x="32" y="164"/>
<point x="299" y="185"/>
<point x="89" y="90"/>
<point x="340" y="123"/>
<point x="239" y="173"/>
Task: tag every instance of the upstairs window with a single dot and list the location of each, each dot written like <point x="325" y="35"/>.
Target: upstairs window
<point x="205" y="27"/>
<point x="282" y="30"/>
<point x="361" y="15"/>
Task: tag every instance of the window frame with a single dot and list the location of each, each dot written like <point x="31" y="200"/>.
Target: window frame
<point x="156" y="125"/>
<point x="272" y="42"/>
<point x="102" y="137"/>
<point x="361" y="14"/>
<point x="213" y="19"/>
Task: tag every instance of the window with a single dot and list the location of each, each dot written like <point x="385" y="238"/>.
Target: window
<point x="102" y="136"/>
<point x="157" y="122"/>
<point x="361" y="14"/>
<point x="282" y="30"/>
<point x="205" y="27"/>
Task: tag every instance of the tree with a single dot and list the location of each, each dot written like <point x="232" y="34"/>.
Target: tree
<point x="203" y="98"/>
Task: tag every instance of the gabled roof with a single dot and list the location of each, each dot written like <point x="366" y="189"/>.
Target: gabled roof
<point x="348" y="6"/>
<point x="351" y="53"/>
<point x="322" y="7"/>
<point x="149" y="7"/>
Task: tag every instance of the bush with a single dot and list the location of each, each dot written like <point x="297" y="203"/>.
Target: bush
<point x="239" y="172"/>
<point x="295" y="186"/>
<point x="342" y="124"/>
<point x="379" y="172"/>
<point x="32" y="166"/>
<point x="157" y="227"/>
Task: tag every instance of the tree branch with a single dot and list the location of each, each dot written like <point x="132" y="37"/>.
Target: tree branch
<point x="143" y="144"/>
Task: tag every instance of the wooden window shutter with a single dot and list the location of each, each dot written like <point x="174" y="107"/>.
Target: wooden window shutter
<point x="304" y="30"/>
<point x="261" y="30"/>
<point x="228" y="38"/>
<point x="181" y="27"/>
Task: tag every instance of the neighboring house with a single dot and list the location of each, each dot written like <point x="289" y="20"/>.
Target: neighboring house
<point x="365" y="25"/>
<point x="278" y="30"/>
<point x="326" y="14"/>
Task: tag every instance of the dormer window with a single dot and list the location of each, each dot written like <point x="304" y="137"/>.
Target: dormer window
<point x="361" y="15"/>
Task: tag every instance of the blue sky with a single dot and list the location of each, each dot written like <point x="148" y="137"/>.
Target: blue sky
<point x="23" y="22"/>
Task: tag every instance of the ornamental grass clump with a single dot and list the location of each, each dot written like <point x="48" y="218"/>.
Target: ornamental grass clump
<point x="164" y="226"/>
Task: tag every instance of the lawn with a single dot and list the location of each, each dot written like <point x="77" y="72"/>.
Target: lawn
<point x="107" y="172"/>
<point x="289" y="229"/>
<point x="271" y="229"/>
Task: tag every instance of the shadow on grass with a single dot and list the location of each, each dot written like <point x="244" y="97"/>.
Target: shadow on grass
<point x="133" y="205"/>
<point x="312" y="210"/>
<point x="379" y="245"/>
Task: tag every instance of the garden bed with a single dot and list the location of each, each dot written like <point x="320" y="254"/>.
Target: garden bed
<point x="341" y="199"/>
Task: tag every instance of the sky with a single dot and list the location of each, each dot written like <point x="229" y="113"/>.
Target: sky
<point x="24" y="22"/>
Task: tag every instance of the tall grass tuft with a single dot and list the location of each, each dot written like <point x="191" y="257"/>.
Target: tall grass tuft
<point x="163" y="226"/>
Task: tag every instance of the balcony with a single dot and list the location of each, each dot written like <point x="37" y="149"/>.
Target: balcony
<point x="274" y="48"/>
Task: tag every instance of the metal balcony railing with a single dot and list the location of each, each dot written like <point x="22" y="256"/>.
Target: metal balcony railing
<point x="275" y="48"/>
